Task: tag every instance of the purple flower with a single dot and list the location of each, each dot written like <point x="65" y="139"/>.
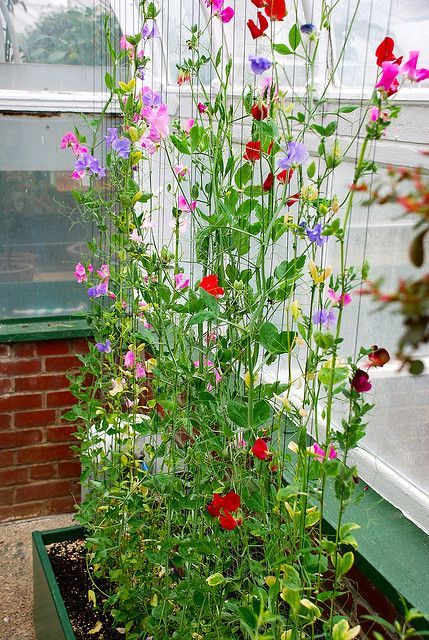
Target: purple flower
<point x="150" y="30"/>
<point x="150" y="98"/>
<point x="104" y="347"/>
<point x="307" y="28"/>
<point x="296" y="153"/>
<point x="88" y="163"/>
<point x="259" y="64"/>
<point x="314" y="235"/>
<point x="112" y="134"/>
<point x="324" y="317"/>
<point x="122" y="146"/>
<point x="98" y="290"/>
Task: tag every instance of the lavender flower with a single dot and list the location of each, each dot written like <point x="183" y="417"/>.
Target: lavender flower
<point x="98" y="290"/>
<point x="324" y="317"/>
<point x="150" y="98"/>
<point x="296" y="153"/>
<point x="150" y="30"/>
<point x="112" y="135"/>
<point x="122" y="146"/>
<point x="314" y="235"/>
<point x="259" y="64"/>
<point x="104" y="347"/>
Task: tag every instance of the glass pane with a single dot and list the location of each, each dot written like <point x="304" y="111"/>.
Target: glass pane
<point x="374" y="21"/>
<point x="53" y="45"/>
<point x="42" y="234"/>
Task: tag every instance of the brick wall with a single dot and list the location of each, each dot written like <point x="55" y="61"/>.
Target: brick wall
<point x="38" y="473"/>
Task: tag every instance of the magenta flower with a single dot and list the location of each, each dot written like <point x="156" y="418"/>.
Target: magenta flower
<point x="182" y="204"/>
<point x="80" y="273"/>
<point x="202" y="108"/>
<point x="320" y="454"/>
<point x="104" y="272"/>
<point x="181" y="281"/>
<point x="324" y="318"/>
<point x="338" y="298"/>
<point x="148" y="144"/>
<point x="68" y="140"/>
<point x="158" y="121"/>
<point x="374" y="114"/>
<point x="390" y="71"/>
<point x="259" y="64"/>
<point x="360" y="381"/>
<point x="129" y="359"/>
<point x="211" y="368"/>
<point x="226" y="15"/>
<point x="314" y="235"/>
<point x="140" y="371"/>
<point x="410" y="68"/>
<point x="180" y="170"/>
<point x="104" y="347"/>
<point x="98" y="291"/>
<point x="296" y="153"/>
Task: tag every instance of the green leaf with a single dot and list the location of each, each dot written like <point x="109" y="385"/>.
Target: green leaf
<point x="109" y="81"/>
<point x="243" y="175"/>
<point x="311" y="169"/>
<point x="209" y="301"/>
<point x="261" y="412"/>
<point x="324" y="340"/>
<point x="181" y="145"/>
<point x="282" y="49"/>
<point x="274" y="341"/>
<point x="339" y="374"/>
<point x="347" y="109"/>
<point x="289" y="269"/>
<point x="294" y="37"/>
<point x="237" y="412"/>
<point x="345" y="563"/>
<point x="203" y="316"/>
<point x="215" y="579"/>
<point x="248" y="619"/>
<point x="330" y="128"/>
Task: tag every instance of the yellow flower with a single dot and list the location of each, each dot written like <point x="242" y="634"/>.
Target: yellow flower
<point x="247" y="379"/>
<point x="150" y="364"/>
<point x="318" y="278"/>
<point x="309" y="192"/>
<point x="296" y="310"/>
<point x="334" y="205"/>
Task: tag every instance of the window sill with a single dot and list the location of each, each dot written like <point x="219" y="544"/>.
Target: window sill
<point x="27" y="330"/>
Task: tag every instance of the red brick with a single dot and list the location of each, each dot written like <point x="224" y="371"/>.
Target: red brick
<point x="52" y="347"/>
<point x="41" y="383"/>
<point x="65" y="504"/>
<point x="4" y="350"/>
<point x="61" y="433"/>
<point x="61" y="363"/>
<point x="23" y="401"/>
<point x="19" y="367"/>
<point x="13" y="477"/>
<point x="7" y="458"/>
<point x="34" y="418"/>
<point x="44" y="453"/>
<point x="5" y="420"/>
<point x="6" y="385"/>
<point x="15" y="511"/>
<point x="42" y="490"/>
<point x="60" y="399"/>
<point x="69" y="469"/>
<point x="12" y="439"/>
<point x="25" y="350"/>
<point x="79" y="346"/>
<point x="6" y="496"/>
<point x="43" y="471"/>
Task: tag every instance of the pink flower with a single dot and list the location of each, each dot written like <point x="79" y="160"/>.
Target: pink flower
<point x="202" y="108"/>
<point x="188" y="125"/>
<point x="210" y="366"/>
<point x="148" y="144"/>
<point x="147" y="224"/>
<point x="182" y="223"/>
<point x="182" y="204"/>
<point x="182" y="77"/>
<point x="68" y="140"/>
<point x="241" y="443"/>
<point x="180" y="170"/>
<point x="129" y="359"/>
<point x="180" y="281"/>
<point x="78" y="175"/>
<point x="210" y="336"/>
<point x="80" y="273"/>
<point x="140" y="371"/>
<point x="320" y="454"/>
<point x="390" y="71"/>
<point x="124" y="44"/>
<point x="158" y="120"/>
<point x="410" y="68"/>
<point x="226" y="15"/>
<point x="374" y="114"/>
<point x="338" y="298"/>
<point x="104" y="272"/>
<point x="135" y="237"/>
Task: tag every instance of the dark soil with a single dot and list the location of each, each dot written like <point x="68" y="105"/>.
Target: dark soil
<point x="69" y="565"/>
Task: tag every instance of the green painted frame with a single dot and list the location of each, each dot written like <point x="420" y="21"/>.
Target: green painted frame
<point x="53" y="328"/>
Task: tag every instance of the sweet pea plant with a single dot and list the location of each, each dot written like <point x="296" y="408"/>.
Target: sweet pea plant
<point x="206" y="475"/>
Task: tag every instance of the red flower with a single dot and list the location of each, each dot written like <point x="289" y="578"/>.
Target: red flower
<point x="293" y="199"/>
<point x="285" y="176"/>
<point x="260" y="450"/>
<point x="228" y="522"/>
<point x="360" y="381"/>
<point x="253" y="151"/>
<point x="211" y="285"/>
<point x="256" y="31"/>
<point x="268" y="182"/>
<point x="378" y="357"/>
<point x="231" y="501"/>
<point x="259" y="3"/>
<point x="276" y="9"/>
<point x="384" y="52"/>
<point x="259" y="111"/>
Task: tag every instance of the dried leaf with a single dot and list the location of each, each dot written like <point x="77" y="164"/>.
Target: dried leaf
<point x="96" y="628"/>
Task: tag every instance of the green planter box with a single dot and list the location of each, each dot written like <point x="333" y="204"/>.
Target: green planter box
<point x="51" y="620"/>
